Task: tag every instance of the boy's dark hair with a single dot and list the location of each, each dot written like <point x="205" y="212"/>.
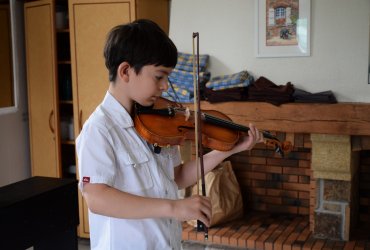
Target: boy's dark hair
<point x="139" y="43"/>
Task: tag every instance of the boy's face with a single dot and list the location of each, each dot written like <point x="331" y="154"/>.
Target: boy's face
<point x="146" y="86"/>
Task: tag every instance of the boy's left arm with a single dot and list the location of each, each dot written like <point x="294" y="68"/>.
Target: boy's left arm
<point x="186" y="174"/>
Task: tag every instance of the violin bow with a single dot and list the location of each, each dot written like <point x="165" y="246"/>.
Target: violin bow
<point x="198" y="134"/>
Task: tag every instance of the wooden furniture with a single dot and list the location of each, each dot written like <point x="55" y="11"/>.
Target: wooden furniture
<point x="43" y="103"/>
<point x="41" y="212"/>
<point x="89" y="26"/>
<point x="66" y="73"/>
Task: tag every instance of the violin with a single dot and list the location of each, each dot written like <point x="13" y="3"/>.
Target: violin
<point x="168" y="123"/>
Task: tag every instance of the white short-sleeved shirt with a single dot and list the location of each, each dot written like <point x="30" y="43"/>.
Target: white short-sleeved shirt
<point x="110" y="151"/>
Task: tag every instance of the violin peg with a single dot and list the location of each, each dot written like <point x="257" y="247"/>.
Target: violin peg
<point x="287" y="146"/>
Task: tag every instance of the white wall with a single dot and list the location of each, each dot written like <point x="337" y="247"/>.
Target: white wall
<point x="339" y="58"/>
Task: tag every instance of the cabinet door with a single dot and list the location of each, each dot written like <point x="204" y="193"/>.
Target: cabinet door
<point x="156" y="10"/>
<point x="42" y="91"/>
<point x="90" y="21"/>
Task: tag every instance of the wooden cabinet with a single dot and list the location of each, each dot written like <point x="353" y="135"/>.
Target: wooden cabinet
<point x="89" y="27"/>
<point x="90" y="21"/>
<point x="49" y="89"/>
<point x="89" y="24"/>
<point x="42" y="88"/>
<point x="66" y="74"/>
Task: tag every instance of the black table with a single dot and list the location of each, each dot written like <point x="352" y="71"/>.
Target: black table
<point x="41" y="212"/>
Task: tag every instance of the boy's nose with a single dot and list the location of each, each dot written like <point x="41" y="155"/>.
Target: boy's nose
<point x="164" y="85"/>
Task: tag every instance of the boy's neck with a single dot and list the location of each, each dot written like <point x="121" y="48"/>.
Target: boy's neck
<point x="125" y="102"/>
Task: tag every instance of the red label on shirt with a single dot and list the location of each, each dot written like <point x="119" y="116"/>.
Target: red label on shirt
<point x="86" y="179"/>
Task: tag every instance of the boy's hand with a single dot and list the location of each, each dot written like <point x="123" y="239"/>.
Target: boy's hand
<point x="195" y="207"/>
<point x="248" y="142"/>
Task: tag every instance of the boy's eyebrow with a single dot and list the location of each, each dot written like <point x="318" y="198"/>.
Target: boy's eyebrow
<point x="164" y="71"/>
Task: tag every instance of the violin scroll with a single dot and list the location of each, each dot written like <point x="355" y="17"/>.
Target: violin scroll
<point x="280" y="147"/>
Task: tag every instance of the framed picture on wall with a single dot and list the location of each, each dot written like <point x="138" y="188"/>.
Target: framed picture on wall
<point x="282" y="28"/>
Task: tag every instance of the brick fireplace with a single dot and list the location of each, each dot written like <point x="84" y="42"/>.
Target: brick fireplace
<point x="325" y="179"/>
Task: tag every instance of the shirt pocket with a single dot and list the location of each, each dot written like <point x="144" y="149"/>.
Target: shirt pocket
<point x="169" y="160"/>
<point x="134" y="173"/>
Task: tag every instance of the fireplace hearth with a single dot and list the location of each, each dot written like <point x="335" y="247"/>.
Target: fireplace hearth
<point x="318" y="196"/>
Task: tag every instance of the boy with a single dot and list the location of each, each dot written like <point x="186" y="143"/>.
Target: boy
<point x="131" y="192"/>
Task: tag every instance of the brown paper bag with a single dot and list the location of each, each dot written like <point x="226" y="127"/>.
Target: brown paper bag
<point x="223" y="189"/>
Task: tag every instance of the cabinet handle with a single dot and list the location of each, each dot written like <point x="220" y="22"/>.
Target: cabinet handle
<point x="50" y="121"/>
<point x="80" y="120"/>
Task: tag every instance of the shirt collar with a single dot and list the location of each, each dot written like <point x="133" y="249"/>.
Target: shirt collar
<point x="116" y="111"/>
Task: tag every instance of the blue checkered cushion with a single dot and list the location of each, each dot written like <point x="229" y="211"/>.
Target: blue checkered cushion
<point x="184" y="79"/>
<point x="240" y="79"/>
<point x="184" y="95"/>
<point x="185" y="62"/>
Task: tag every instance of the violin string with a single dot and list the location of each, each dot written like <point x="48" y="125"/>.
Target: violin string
<point x="233" y="125"/>
<point x="176" y="98"/>
<point x="214" y="119"/>
<point x="227" y="123"/>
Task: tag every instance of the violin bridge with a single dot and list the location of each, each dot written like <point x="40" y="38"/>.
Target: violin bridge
<point x="187" y="114"/>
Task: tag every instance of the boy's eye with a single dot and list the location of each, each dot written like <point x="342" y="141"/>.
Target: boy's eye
<point x="159" y="77"/>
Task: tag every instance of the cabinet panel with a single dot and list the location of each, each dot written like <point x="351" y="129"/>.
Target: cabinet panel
<point x="42" y="91"/>
<point x="89" y="27"/>
<point x="89" y="22"/>
<point x="156" y="10"/>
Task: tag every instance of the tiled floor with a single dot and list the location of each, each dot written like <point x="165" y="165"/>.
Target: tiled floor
<point x="190" y="245"/>
<point x="316" y="245"/>
<point x="83" y="244"/>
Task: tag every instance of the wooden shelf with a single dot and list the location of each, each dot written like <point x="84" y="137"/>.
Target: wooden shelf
<point x="66" y="102"/>
<point x="68" y="142"/>
<point x="62" y="30"/>
<point x="340" y="118"/>
<point x="64" y="62"/>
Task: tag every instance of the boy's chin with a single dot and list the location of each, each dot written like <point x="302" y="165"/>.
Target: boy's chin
<point x="147" y="103"/>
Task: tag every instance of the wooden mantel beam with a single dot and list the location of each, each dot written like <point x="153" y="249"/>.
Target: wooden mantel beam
<point x="340" y="118"/>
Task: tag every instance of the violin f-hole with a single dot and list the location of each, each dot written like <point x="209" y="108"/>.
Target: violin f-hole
<point x="180" y="128"/>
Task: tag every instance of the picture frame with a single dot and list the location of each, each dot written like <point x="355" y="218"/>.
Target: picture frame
<point x="283" y="28"/>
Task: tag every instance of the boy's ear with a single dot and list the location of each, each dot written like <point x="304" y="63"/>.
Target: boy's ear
<point x="122" y="71"/>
